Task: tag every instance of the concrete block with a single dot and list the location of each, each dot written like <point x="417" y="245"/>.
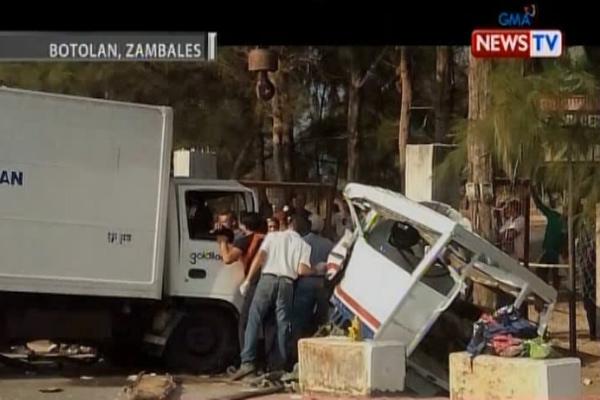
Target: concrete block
<point x="492" y="377"/>
<point x="339" y="365"/>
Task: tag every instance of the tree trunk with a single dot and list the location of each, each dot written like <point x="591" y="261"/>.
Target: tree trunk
<point x="283" y="122"/>
<point x="260" y="157"/>
<point x="354" y="105"/>
<point x="278" y="129"/>
<point x="241" y="157"/>
<point x="480" y="163"/>
<point x="442" y="86"/>
<point x="406" y="101"/>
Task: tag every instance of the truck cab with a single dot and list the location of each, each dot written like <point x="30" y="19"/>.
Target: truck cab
<point x="195" y="268"/>
<point x="197" y="329"/>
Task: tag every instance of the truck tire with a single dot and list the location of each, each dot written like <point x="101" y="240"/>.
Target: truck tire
<point x="203" y="342"/>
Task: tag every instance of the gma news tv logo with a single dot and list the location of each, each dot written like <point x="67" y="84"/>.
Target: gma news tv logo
<point x="516" y="43"/>
<point x="518" y="19"/>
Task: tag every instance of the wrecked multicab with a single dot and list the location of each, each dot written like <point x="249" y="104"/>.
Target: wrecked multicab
<point x="406" y="273"/>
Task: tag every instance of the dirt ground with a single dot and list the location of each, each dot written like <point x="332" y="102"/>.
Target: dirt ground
<point x="588" y="351"/>
<point x="106" y="387"/>
<point x="100" y="382"/>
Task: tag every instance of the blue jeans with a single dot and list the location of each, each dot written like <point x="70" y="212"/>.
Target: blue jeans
<point x="309" y="303"/>
<point x="310" y="309"/>
<point x="272" y="292"/>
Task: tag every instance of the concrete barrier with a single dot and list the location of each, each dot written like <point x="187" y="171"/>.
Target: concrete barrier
<point x="491" y="377"/>
<point x="341" y="366"/>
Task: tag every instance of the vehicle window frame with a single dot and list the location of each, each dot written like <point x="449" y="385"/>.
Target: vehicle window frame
<point x="386" y="240"/>
<point x="239" y="201"/>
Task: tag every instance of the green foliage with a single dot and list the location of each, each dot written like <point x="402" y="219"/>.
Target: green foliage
<point x="214" y="103"/>
<point x="519" y="132"/>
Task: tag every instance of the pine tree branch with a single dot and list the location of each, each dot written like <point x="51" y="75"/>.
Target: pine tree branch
<point x="372" y="67"/>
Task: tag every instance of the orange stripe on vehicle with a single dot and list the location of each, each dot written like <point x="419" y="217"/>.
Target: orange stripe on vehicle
<point x="357" y="308"/>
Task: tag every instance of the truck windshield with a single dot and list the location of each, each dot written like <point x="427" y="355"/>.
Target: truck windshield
<point x="203" y="208"/>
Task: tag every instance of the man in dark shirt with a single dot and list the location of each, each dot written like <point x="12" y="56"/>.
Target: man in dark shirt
<point x="299" y="208"/>
<point x="311" y="303"/>
<point x="554" y="241"/>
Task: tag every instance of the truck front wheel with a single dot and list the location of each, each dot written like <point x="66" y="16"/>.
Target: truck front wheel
<point x="203" y="342"/>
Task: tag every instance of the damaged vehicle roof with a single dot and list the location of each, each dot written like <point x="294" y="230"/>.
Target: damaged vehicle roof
<point x="450" y="239"/>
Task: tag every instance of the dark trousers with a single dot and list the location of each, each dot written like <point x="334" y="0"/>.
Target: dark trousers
<point x="266" y="356"/>
<point x="549" y="275"/>
<point x="590" y="310"/>
<point x="245" y="311"/>
<point x="272" y="293"/>
<point x="310" y="308"/>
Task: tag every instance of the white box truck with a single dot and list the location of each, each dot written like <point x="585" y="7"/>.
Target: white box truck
<point x="98" y="243"/>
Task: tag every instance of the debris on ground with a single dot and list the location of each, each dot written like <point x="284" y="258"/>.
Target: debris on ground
<point x="269" y="379"/>
<point x="75" y="349"/>
<point x="538" y="348"/>
<point x="506" y="334"/>
<point x="151" y="387"/>
<point x="287" y="381"/>
<point x="587" y="381"/>
<point x="42" y="346"/>
<point x="86" y="378"/>
<point x="354" y="332"/>
<point x="51" y="390"/>
<point x="250" y="393"/>
<point x="329" y="329"/>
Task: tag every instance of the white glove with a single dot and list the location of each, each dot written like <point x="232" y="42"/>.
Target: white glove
<point x="244" y="288"/>
<point x="331" y="273"/>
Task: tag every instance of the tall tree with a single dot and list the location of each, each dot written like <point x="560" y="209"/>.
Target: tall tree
<point x="480" y="161"/>
<point x="354" y="105"/>
<point x="404" y="70"/>
<point x="282" y="120"/>
<point x="442" y="103"/>
<point x="361" y="64"/>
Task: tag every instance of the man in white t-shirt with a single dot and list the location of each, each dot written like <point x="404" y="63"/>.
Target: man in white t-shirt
<point x="513" y="231"/>
<point x="282" y="257"/>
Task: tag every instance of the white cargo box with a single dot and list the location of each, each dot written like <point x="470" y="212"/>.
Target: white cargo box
<point x="83" y="193"/>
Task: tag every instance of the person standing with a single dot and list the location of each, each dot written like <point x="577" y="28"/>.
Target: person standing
<point x="299" y="206"/>
<point x="310" y="299"/>
<point x="320" y="245"/>
<point x="341" y="219"/>
<point x="228" y="220"/>
<point x="282" y="219"/>
<point x="272" y="224"/>
<point x="513" y="231"/>
<point x="283" y="256"/>
<point x="554" y="241"/>
<point x="586" y="264"/>
<point x="243" y="249"/>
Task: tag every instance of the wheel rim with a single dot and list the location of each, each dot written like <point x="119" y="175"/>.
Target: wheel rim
<point x="200" y="340"/>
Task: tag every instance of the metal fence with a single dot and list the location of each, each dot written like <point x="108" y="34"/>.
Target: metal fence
<point x="511" y="217"/>
<point x="585" y="262"/>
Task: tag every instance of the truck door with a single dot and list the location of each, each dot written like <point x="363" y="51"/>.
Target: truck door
<point x="201" y="272"/>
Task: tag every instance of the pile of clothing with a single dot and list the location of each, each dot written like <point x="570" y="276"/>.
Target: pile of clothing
<point x="506" y="334"/>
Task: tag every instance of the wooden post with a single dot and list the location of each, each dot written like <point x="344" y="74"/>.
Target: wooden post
<point x="572" y="273"/>
<point x="597" y="268"/>
<point x="527" y="202"/>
